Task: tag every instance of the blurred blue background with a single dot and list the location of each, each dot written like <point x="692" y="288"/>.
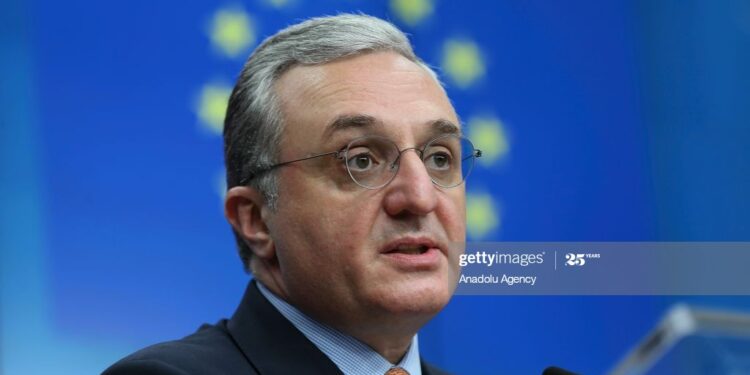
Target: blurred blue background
<point x="602" y="120"/>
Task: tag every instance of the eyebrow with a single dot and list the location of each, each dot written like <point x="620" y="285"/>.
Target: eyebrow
<point x="443" y="126"/>
<point x="348" y="122"/>
<point x="343" y="122"/>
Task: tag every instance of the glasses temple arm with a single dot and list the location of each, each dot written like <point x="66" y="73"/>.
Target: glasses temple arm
<point x="476" y="154"/>
<point x="260" y="171"/>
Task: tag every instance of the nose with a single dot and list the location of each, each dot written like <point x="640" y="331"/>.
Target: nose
<point x="411" y="190"/>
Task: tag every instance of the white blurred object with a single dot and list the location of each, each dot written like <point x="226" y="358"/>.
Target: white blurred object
<point x="692" y="341"/>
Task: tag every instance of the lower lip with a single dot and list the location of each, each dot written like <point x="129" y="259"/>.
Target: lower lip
<point x="430" y="259"/>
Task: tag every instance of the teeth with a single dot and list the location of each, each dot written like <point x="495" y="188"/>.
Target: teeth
<point x="411" y="249"/>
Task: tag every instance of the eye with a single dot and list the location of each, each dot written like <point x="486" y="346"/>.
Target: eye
<point x="361" y="162"/>
<point x="439" y="160"/>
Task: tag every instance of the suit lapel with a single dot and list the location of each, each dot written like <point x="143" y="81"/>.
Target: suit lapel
<point x="271" y="343"/>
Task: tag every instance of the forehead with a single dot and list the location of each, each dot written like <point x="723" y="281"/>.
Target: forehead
<point x="401" y="98"/>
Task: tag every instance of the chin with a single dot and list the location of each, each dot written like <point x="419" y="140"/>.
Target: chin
<point x="419" y="297"/>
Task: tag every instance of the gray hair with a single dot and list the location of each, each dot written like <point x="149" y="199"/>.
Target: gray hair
<point x="254" y="123"/>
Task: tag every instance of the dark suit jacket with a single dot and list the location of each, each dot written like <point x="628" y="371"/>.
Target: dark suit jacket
<point x="256" y="340"/>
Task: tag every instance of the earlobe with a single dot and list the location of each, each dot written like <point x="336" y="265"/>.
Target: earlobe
<point x="244" y="209"/>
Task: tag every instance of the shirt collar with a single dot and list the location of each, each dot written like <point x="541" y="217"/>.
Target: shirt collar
<point x="349" y="354"/>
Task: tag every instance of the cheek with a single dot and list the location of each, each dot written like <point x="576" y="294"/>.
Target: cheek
<point x="327" y="231"/>
<point x="352" y="215"/>
<point x="453" y="216"/>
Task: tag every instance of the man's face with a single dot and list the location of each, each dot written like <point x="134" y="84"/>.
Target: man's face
<point x="337" y="243"/>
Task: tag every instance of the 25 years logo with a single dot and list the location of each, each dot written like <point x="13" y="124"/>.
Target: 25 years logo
<point x="574" y="259"/>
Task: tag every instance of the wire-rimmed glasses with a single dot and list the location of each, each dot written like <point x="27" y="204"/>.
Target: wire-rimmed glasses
<point x="372" y="161"/>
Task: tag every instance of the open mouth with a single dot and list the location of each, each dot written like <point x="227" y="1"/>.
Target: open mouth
<point x="410" y="253"/>
<point x="409" y="249"/>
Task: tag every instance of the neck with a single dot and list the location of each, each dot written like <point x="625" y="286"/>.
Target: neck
<point x="391" y="346"/>
<point x="388" y="334"/>
<point x="389" y="337"/>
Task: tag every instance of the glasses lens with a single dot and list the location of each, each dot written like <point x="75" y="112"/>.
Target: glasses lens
<point x="449" y="159"/>
<point x="370" y="161"/>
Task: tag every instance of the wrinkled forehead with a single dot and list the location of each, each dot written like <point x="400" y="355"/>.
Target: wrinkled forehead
<point x="382" y="93"/>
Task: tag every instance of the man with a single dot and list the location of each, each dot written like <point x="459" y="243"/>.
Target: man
<point x="345" y="167"/>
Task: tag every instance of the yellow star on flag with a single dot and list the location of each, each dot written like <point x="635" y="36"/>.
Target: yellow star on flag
<point x="412" y="12"/>
<point x="482" y="216"/>
<point x="462" y="62"/>
<point x="212" y="106"/>
<point x="488" y="134"/>
<point x="232" y="32"/>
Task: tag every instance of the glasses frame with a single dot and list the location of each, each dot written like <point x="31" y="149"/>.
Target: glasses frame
<point x="342" y="155"/>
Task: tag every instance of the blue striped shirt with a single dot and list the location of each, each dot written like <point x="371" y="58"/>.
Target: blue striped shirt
<point x="350" y="355"/>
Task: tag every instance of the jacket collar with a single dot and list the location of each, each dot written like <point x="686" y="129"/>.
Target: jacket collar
<point x="273" y="345"/>
<point x="270" y="342"/>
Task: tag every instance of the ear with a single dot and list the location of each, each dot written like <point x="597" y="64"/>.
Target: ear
<point x="245" y="209"/>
